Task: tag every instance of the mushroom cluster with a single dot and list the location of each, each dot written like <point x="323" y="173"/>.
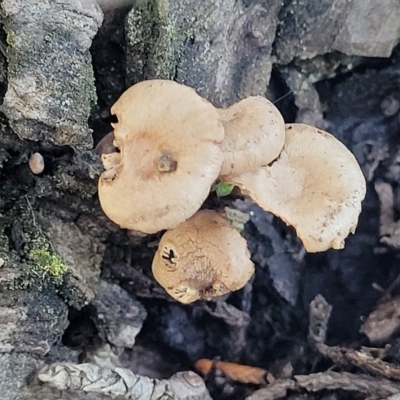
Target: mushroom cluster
<point x="170" y="146"/>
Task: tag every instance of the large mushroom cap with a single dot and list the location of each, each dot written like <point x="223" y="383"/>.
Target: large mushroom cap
<point x="203" y="257"/>
<point x="168" y="139"/>
<point x="254" y="135"/>
<point x="316" y="185"/>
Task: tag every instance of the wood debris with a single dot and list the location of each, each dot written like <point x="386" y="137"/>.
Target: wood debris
<point x="383" y="322"/>
<point x="320" y="311"/>
<point x="380" y="383"/>
<point x="236" y="372"/>
<point x="368" y="385"/>
<point x="123" y="382"/>
<point x="389" y="229"/>
<point x="361" y="359"/>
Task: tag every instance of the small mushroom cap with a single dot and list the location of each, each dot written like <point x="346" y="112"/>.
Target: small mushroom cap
<point x="203" y="257"/>
<point x="36" y="163"/>
<point x="106" y="144"/>
<point x="168" y="138"/>
<point x="316" y="185"/>
<point x="254" y="135"/>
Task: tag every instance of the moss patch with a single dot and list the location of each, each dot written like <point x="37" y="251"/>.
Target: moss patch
<point x="47" y="265"/>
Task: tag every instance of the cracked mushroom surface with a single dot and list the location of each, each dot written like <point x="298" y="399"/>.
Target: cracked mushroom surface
<point x="168" y="140"/>
<point x="203" y="257"/>
<point x="254" y="135"/>
<point x="316" y="185"/>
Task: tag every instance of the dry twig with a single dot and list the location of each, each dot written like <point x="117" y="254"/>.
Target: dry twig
<point x="360" y="359"/>
<point x="365" y="384"/>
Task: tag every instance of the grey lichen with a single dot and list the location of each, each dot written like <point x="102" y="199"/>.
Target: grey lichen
<point x="45" y="100"/>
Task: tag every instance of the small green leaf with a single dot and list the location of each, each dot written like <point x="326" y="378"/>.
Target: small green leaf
<point x="223" y="189"/>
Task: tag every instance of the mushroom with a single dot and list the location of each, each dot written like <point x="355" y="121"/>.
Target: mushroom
<point x="316" y="185"/>
<point x="36" y="163"/>
<point x="106" y="144"/>
<point x="168" y="140"/>
<point x="254" y="135"/>
<point x="203" y="257"/>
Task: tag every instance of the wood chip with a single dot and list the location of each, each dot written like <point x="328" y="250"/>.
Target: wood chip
<point x="236" y="372"/>
<point x="383" y="322"/>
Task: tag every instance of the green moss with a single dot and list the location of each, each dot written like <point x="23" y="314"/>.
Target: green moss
<point x="47" y="265"/>
<point x="157" y="32"/>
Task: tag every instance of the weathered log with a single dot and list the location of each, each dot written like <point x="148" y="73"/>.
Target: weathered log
<point x="221" y="48"/>
<point x="46" y="101"/>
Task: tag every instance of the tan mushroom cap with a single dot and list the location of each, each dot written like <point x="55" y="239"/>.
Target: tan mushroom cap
<point x="254" y="135"/>
<point x="168" y="138"/>
<point x="316" y="185"/>
<point x="203" y="257"/>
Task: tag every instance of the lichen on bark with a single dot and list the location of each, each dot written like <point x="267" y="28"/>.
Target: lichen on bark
<point x="46" y="101"/>
<point x="221" y="48"/>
